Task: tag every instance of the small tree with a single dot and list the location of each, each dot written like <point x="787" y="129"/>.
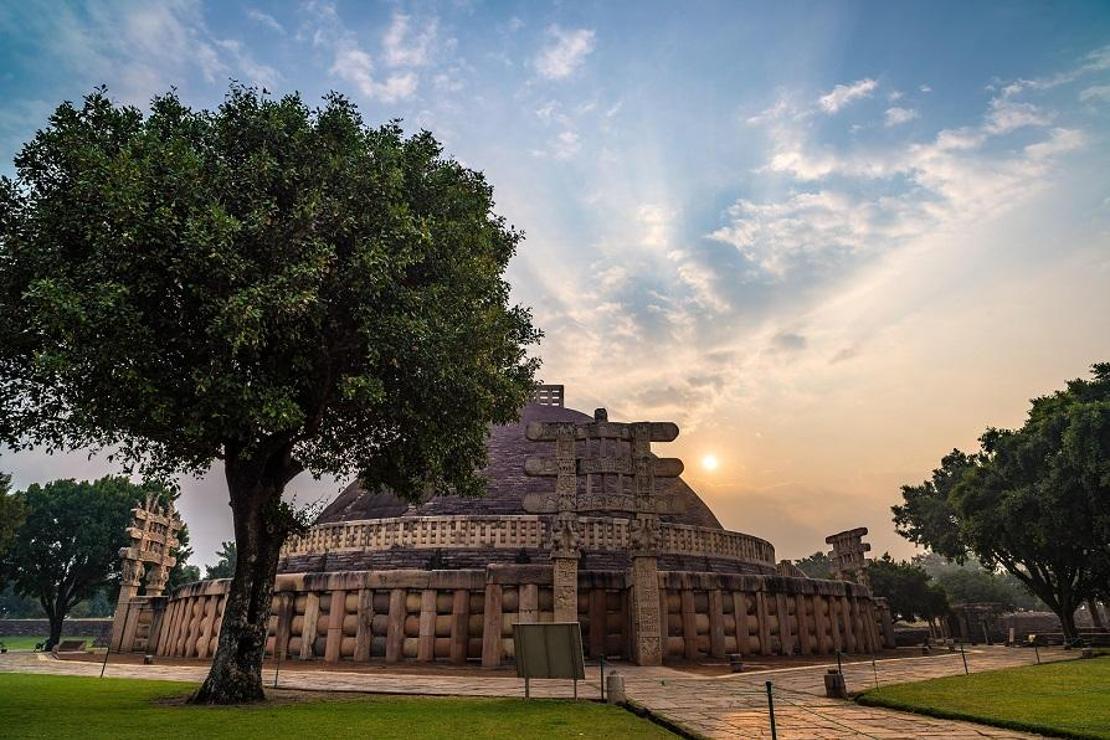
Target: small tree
<point x="68" y="545"/>
<point x="815" y="565"/>
<point x="276" y="288"/>
<point x="1035" y="501"/>
<point x="907" y="588"/>
<point x="225" y="562"/>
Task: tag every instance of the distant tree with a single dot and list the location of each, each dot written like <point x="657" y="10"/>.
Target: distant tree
<point x="225" y="562"/>
<point x="815" y="565"/>
<point x="907" y="588"/>
<point x="11" y="517"/>
<point x="182" y="571"/>
<point x="970" y="582"/>
<point x="1035" y="501"/>
<point x="68" y="544"/>
<point x="17" y="606"/>
<point x="274" y="287"/>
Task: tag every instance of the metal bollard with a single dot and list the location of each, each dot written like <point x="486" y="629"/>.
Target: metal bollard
<point x="771" y="711"/>
<point x="964" y="656"/>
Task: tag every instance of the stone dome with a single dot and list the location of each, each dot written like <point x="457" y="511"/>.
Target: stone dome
<point x="507" y="483"/>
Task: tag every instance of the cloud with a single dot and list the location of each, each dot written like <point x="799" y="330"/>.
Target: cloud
<point x="1094" y="62"/>
<point x="565" y="53"/>
<point x="265" y="19"/>
<point x="1095" y="94"/>
<point x="925" y="89"/>
<point x="788" y="342"/>
<point x="897" y="116"/>
<point x="402" y="48"/>
<point x="1006" y="115"/>
<point x="842" y="95"/>
<point x="355" y="66"/>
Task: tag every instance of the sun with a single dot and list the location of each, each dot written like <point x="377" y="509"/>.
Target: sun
<point x="709" y="462"/>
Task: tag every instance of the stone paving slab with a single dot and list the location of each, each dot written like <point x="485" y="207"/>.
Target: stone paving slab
<point x="732" y="706"/>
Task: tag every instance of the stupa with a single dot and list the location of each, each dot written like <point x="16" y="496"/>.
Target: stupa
<point x="581" y="521"/>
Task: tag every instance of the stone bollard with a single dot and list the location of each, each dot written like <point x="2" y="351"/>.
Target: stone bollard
<point x="148" y="659"/>
<point x="735" y="662"/>
<point x="1087" y="653"/>
<point x="614" y="688"/>
<point x="834" y="685"/>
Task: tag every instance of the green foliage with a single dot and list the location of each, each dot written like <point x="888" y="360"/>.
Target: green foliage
<point x="85" y="707"/>
<point x="262" y="282"/>
<point x="225" y="562"/>
<point x="182" y="572"/>
<point x="1035" y="501"/>
<point x="17" y="606"/>
<point x="815" y="565"/>
<point x="1063" y="699"/>
<point x="970" y="582"/>
<point x="907" y="588"/>
<point x="12" y="514"/>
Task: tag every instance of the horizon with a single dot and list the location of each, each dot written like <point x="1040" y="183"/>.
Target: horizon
<point x="828" y="252"/>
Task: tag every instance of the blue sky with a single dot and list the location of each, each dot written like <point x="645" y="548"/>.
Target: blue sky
<point x="831" y="240"/>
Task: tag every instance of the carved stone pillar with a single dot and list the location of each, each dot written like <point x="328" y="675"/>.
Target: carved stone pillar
<point x="131" y="577"/>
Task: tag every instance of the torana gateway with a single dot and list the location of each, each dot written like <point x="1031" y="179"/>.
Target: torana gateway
<point x="581" y="521"/>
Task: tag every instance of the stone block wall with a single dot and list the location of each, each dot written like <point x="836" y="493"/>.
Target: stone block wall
<point x="468" y="615"/>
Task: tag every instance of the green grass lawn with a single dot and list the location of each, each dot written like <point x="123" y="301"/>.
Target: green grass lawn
<point x="1071" y="699"/>
<point x="34" y="706"/>
<point x="28" y="643"/>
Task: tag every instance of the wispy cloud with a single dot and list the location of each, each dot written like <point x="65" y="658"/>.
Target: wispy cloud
<point x="403" y="48"/>
<point x="565" y="52"/>
<point x="266" y="20"/>
<point x="896" y="116"/>
<point x="842" y="95"/>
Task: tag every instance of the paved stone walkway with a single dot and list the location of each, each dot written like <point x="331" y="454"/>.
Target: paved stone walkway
<point x="733" y="706"/>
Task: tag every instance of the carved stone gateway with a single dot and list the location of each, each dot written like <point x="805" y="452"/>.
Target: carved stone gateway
<point x="613" y="461"/>
<point x="848" y="561"/>
<point x="153" y="534"/>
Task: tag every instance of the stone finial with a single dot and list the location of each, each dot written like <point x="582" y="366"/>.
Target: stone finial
<point x="601" y="415"/>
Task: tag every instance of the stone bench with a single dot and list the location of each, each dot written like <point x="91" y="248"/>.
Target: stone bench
<point x="69" y="646"/>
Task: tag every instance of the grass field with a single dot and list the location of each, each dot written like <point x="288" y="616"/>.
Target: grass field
<point x="34" y="706"/>
<point x="28" y="643"/>
<point x="1071" y="699"/>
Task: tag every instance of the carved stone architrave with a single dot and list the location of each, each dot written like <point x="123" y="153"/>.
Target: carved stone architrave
<point x="848" y="558"/>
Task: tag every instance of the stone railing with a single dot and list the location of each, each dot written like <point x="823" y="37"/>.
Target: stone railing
<point x="516" y="532"/>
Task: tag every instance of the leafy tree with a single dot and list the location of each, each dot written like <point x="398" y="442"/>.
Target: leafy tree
<point x="68" y="545"/>
<point x="17" y="606"/>
<point x="908" y="589"/>
<point x="278" y="288"/>
<point x="815" y="565"/>
<point x="225" y="562"/>
<point x="1035" y="500"/>
<point x="11" y="517"/>
<point x="970" y="582"/>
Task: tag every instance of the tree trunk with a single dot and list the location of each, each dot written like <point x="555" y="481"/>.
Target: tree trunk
<point x="57" y="618"/>
<point x="260" y="529"/>
<point x="1096" y="618"/>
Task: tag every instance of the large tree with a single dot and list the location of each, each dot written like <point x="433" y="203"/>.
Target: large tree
<point x="277" y="288"/>
<point x="68" y="546"/>
<point x="226" y="558"/>
<point x="11" y="517"/>
<point x="1035" y="500"/>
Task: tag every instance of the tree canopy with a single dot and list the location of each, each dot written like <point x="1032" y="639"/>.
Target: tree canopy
<point x="815" y="565"/>
<point x="225" y="562"/>
<point x="907" y="588"/>
<point x="11" y="517"/>
<point x="1035" y="500"/>
<point x="279" y="288"/>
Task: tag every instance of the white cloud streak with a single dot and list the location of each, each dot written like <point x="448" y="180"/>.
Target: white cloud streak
<point x="565" y="52"/>
<point x="842" y="95"/>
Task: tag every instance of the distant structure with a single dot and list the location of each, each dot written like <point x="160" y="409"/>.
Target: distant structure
<point x="848" y="561"/>
<point x="580" y="521"/>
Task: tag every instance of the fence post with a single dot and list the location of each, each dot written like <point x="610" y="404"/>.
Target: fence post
<point x="964" y="656"/>
<point x="771" y="711"/>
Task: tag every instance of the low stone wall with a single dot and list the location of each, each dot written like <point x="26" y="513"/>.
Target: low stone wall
<point x="96" y="628"/>
<point x="467" y="615"/>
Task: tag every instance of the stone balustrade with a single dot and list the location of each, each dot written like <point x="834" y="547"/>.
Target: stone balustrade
<point x="515" y="533"/>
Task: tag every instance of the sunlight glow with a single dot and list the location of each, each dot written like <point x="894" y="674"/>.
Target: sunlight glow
<point x="709" y="462"/>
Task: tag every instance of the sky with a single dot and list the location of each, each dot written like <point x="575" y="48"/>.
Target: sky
<point x="832" y="241"/>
